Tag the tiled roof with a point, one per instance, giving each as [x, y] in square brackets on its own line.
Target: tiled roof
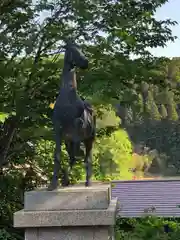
[139, 197]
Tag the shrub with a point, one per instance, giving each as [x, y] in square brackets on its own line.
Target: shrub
[148, 228]
[112, 156]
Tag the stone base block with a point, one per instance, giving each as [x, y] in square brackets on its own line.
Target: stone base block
[73, 213]
[105, 217]
[70, 198]
[67, 233]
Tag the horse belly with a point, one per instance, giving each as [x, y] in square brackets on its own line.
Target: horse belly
[72, 134]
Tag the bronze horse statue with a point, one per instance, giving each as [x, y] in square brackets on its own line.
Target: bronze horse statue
[73, 119]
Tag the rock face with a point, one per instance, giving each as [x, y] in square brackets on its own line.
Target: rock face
[75, 212]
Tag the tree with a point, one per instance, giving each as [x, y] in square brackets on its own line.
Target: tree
[171, 111]
[163, 111]
[22, 76]
[151, 108]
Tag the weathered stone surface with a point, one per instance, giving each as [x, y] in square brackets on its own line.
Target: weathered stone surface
[31, 234]
[70, 198]
[25, 219]
[76, 233]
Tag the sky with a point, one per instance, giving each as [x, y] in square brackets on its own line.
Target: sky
[170, 10]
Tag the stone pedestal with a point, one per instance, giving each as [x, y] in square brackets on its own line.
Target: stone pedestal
[75, 212]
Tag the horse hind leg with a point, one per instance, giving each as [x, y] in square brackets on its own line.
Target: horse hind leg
[88, 160]
[65, 177]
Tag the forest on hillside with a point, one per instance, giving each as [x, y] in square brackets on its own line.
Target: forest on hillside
[137, 102]
[152, 120]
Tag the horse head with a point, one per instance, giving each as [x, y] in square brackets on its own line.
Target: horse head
[74, 56]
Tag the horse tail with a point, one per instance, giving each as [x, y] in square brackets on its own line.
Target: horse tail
[94, 120]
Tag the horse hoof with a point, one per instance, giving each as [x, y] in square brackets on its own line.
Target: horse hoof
[87, 184]
[65, 183]
[52, 187]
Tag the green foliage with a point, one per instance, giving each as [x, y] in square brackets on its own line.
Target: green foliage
[3, 117]
[4, 235]
[113, 155]
[151, 108]
[171, 112]
[163, 111]
[141, 163]
[148, 228]
[106, 116]
[44, 160]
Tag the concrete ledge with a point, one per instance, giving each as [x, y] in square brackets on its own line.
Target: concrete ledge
[28, 219]
[69, 198]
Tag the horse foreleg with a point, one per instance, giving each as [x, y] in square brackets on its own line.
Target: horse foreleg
[88, 161]
[57, 158]
[71, 153]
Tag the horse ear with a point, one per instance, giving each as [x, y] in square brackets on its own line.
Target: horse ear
[69, 41]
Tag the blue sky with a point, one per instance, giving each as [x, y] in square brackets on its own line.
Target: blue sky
[170, 10]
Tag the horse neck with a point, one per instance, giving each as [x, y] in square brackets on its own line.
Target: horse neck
[69, 78]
